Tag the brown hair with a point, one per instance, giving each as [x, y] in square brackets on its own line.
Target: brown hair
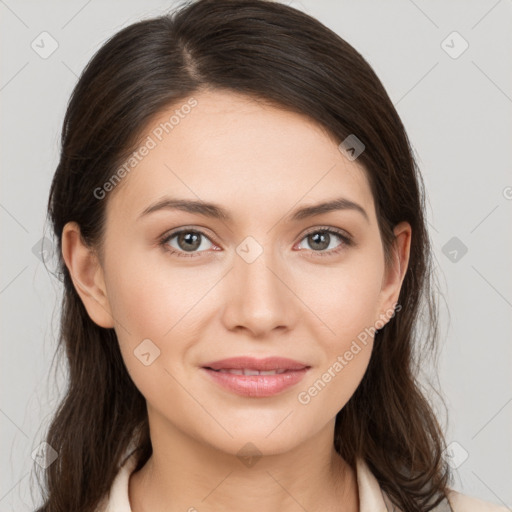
[281, 55]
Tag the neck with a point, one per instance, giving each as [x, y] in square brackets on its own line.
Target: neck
[184, 474]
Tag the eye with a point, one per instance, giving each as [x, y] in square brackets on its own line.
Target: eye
[321, 238]
[187, 240]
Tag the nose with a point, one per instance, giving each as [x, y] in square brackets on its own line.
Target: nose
[259, 297]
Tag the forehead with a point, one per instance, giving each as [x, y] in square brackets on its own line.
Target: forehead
[236, 150]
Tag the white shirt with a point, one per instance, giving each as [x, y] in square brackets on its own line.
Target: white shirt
[371, 497]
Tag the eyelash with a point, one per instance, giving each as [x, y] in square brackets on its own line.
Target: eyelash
[347, 241]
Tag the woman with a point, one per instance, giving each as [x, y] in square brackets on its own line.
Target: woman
[245, 259]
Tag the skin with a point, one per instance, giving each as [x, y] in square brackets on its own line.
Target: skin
[260, 163]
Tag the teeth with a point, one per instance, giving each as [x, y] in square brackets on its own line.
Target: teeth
[247, 371]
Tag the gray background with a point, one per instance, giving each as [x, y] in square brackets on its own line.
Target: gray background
[457, 112]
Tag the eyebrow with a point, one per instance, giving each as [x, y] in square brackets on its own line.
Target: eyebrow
[218, 212]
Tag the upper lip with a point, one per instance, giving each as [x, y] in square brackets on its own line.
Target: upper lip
[251, 363]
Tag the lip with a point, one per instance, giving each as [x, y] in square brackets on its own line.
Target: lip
[256, 386]
[265, 364]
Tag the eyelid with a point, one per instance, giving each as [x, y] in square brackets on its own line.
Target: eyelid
[202, 230]
[331, 229]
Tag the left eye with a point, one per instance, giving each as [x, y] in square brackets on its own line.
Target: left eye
[320, 240]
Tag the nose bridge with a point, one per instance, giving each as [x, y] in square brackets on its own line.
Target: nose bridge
[261, 299]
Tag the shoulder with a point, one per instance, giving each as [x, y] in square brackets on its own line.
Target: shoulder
[372, 498]
[463, 503]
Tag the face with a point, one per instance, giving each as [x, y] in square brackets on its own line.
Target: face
[185, 288]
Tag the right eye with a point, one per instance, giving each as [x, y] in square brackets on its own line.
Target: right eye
[187, 241]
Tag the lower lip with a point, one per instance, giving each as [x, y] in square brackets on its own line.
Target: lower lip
[257, 386]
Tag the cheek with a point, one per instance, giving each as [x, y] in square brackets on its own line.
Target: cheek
[148, 294]
[345, 301]
[346, 349]
[345, 298]
[329, 389]
[157, 312]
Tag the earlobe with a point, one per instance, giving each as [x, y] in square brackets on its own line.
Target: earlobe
[395, 274]
[87, 275]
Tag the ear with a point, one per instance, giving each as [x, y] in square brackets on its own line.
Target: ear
[394, 274]
[87, 275]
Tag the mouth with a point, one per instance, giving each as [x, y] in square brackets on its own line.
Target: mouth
[254, 364]
[249, 371]
[256, 378]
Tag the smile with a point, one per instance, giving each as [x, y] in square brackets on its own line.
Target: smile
[255, 383]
